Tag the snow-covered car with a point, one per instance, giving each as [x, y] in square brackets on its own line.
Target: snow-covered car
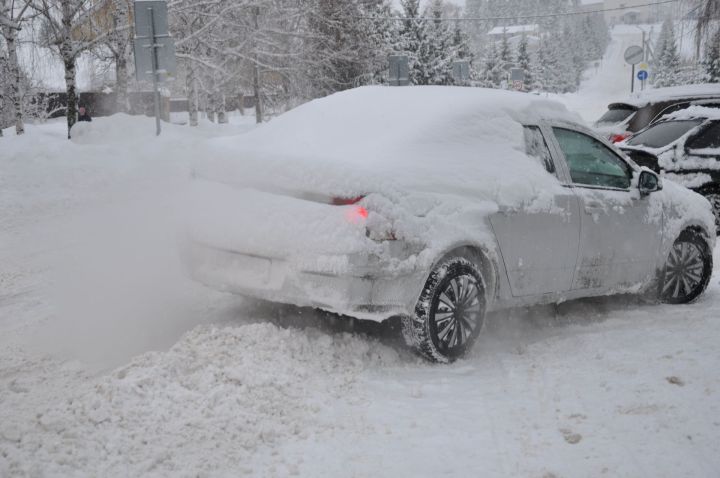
[437, 205]
[624, 118]
[685, 146]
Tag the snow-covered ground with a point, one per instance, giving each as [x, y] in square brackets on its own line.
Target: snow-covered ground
[113, 363]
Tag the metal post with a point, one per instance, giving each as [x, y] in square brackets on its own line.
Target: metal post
[154, 55]
[632, 80]
[642, 82]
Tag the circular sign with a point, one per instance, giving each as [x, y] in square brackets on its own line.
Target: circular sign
[642, 75]
[634, 55]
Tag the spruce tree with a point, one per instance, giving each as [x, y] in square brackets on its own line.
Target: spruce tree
[524, 62]
[667, 66]
[712, 59]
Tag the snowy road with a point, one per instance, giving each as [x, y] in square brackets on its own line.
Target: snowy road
[112, 363]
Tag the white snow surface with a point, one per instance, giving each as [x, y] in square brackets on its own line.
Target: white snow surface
[113, 364]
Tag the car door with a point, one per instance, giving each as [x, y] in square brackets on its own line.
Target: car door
[620, 235]
[705, 144]
[539, 248]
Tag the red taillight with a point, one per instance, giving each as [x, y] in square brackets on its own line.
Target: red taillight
[619, 137]
[354, 214]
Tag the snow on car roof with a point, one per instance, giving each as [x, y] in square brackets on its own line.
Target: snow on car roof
[656, 95]
[440, 139]
[694, 111]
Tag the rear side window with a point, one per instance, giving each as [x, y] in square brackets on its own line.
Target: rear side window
[662, 134]
[616, 115]
[708, 138]
[591, 162]
[536, 146]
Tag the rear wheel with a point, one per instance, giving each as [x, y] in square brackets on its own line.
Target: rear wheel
[450, 312]
[687, 270]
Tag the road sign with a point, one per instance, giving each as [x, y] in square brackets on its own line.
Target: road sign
[518, 85]
[154, 47]
[460, 71]
[399, 74]
[634, 55]
[517, 74]
[642, 75]
[151, 17]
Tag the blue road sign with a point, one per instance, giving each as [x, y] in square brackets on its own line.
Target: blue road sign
[642, 75]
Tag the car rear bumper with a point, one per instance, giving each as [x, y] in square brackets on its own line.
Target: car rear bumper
[356, 290]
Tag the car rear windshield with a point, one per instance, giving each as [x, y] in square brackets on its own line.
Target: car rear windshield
[616, 115]
[662, 134]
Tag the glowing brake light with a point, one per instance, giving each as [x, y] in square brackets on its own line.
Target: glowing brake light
[619, 137]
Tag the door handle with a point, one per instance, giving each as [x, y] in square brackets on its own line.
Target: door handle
[594, 207]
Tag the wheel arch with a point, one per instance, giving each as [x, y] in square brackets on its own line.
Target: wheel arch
[481, 256]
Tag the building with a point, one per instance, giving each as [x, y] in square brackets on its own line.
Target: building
[625, 11]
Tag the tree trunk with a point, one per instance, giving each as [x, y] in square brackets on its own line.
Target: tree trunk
[192, 94]
[68, 56]
[256, 92]
[71, 108]
[222, 113]
[15, 80]
[121, 84]
[256, 72]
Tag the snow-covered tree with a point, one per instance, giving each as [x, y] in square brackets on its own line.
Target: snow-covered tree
[69, 28]
[711, 62]
[667, 59]
[12, 15]
[525, 63]
[493, 73]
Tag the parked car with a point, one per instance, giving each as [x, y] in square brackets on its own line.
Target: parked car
[627, 117]
[437, 205]
[685, 145]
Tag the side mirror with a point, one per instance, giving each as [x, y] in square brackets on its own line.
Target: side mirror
[649, 182]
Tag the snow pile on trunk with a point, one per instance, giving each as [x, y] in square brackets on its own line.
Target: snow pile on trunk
[216, 399]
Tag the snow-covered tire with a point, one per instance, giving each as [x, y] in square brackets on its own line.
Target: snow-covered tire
[687, 269]
[714, 198]
[450, 313]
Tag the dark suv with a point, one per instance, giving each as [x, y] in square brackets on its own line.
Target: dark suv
[627, 117]
[685, 146]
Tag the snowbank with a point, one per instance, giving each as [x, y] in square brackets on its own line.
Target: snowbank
[218, 402]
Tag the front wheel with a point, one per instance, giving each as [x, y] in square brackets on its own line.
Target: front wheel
[450, 312]
[687, 270]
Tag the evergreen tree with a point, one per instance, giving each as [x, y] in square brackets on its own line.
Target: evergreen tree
[505, 55]
[493, 73]
[711, 63]
[524, 62]
[667, 65]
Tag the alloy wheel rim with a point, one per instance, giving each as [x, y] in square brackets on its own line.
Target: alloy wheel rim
[684, 270]
[458, 313]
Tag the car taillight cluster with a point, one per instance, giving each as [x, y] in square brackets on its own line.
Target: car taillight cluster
[617, 138]
[358, 213]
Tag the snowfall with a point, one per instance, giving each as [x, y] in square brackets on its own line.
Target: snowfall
[114, 363]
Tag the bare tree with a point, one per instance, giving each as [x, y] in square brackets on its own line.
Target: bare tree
[12, 15]
[70, 27]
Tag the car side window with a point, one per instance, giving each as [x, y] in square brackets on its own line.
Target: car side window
[536, 147]
[591, 162]
[708, 138]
